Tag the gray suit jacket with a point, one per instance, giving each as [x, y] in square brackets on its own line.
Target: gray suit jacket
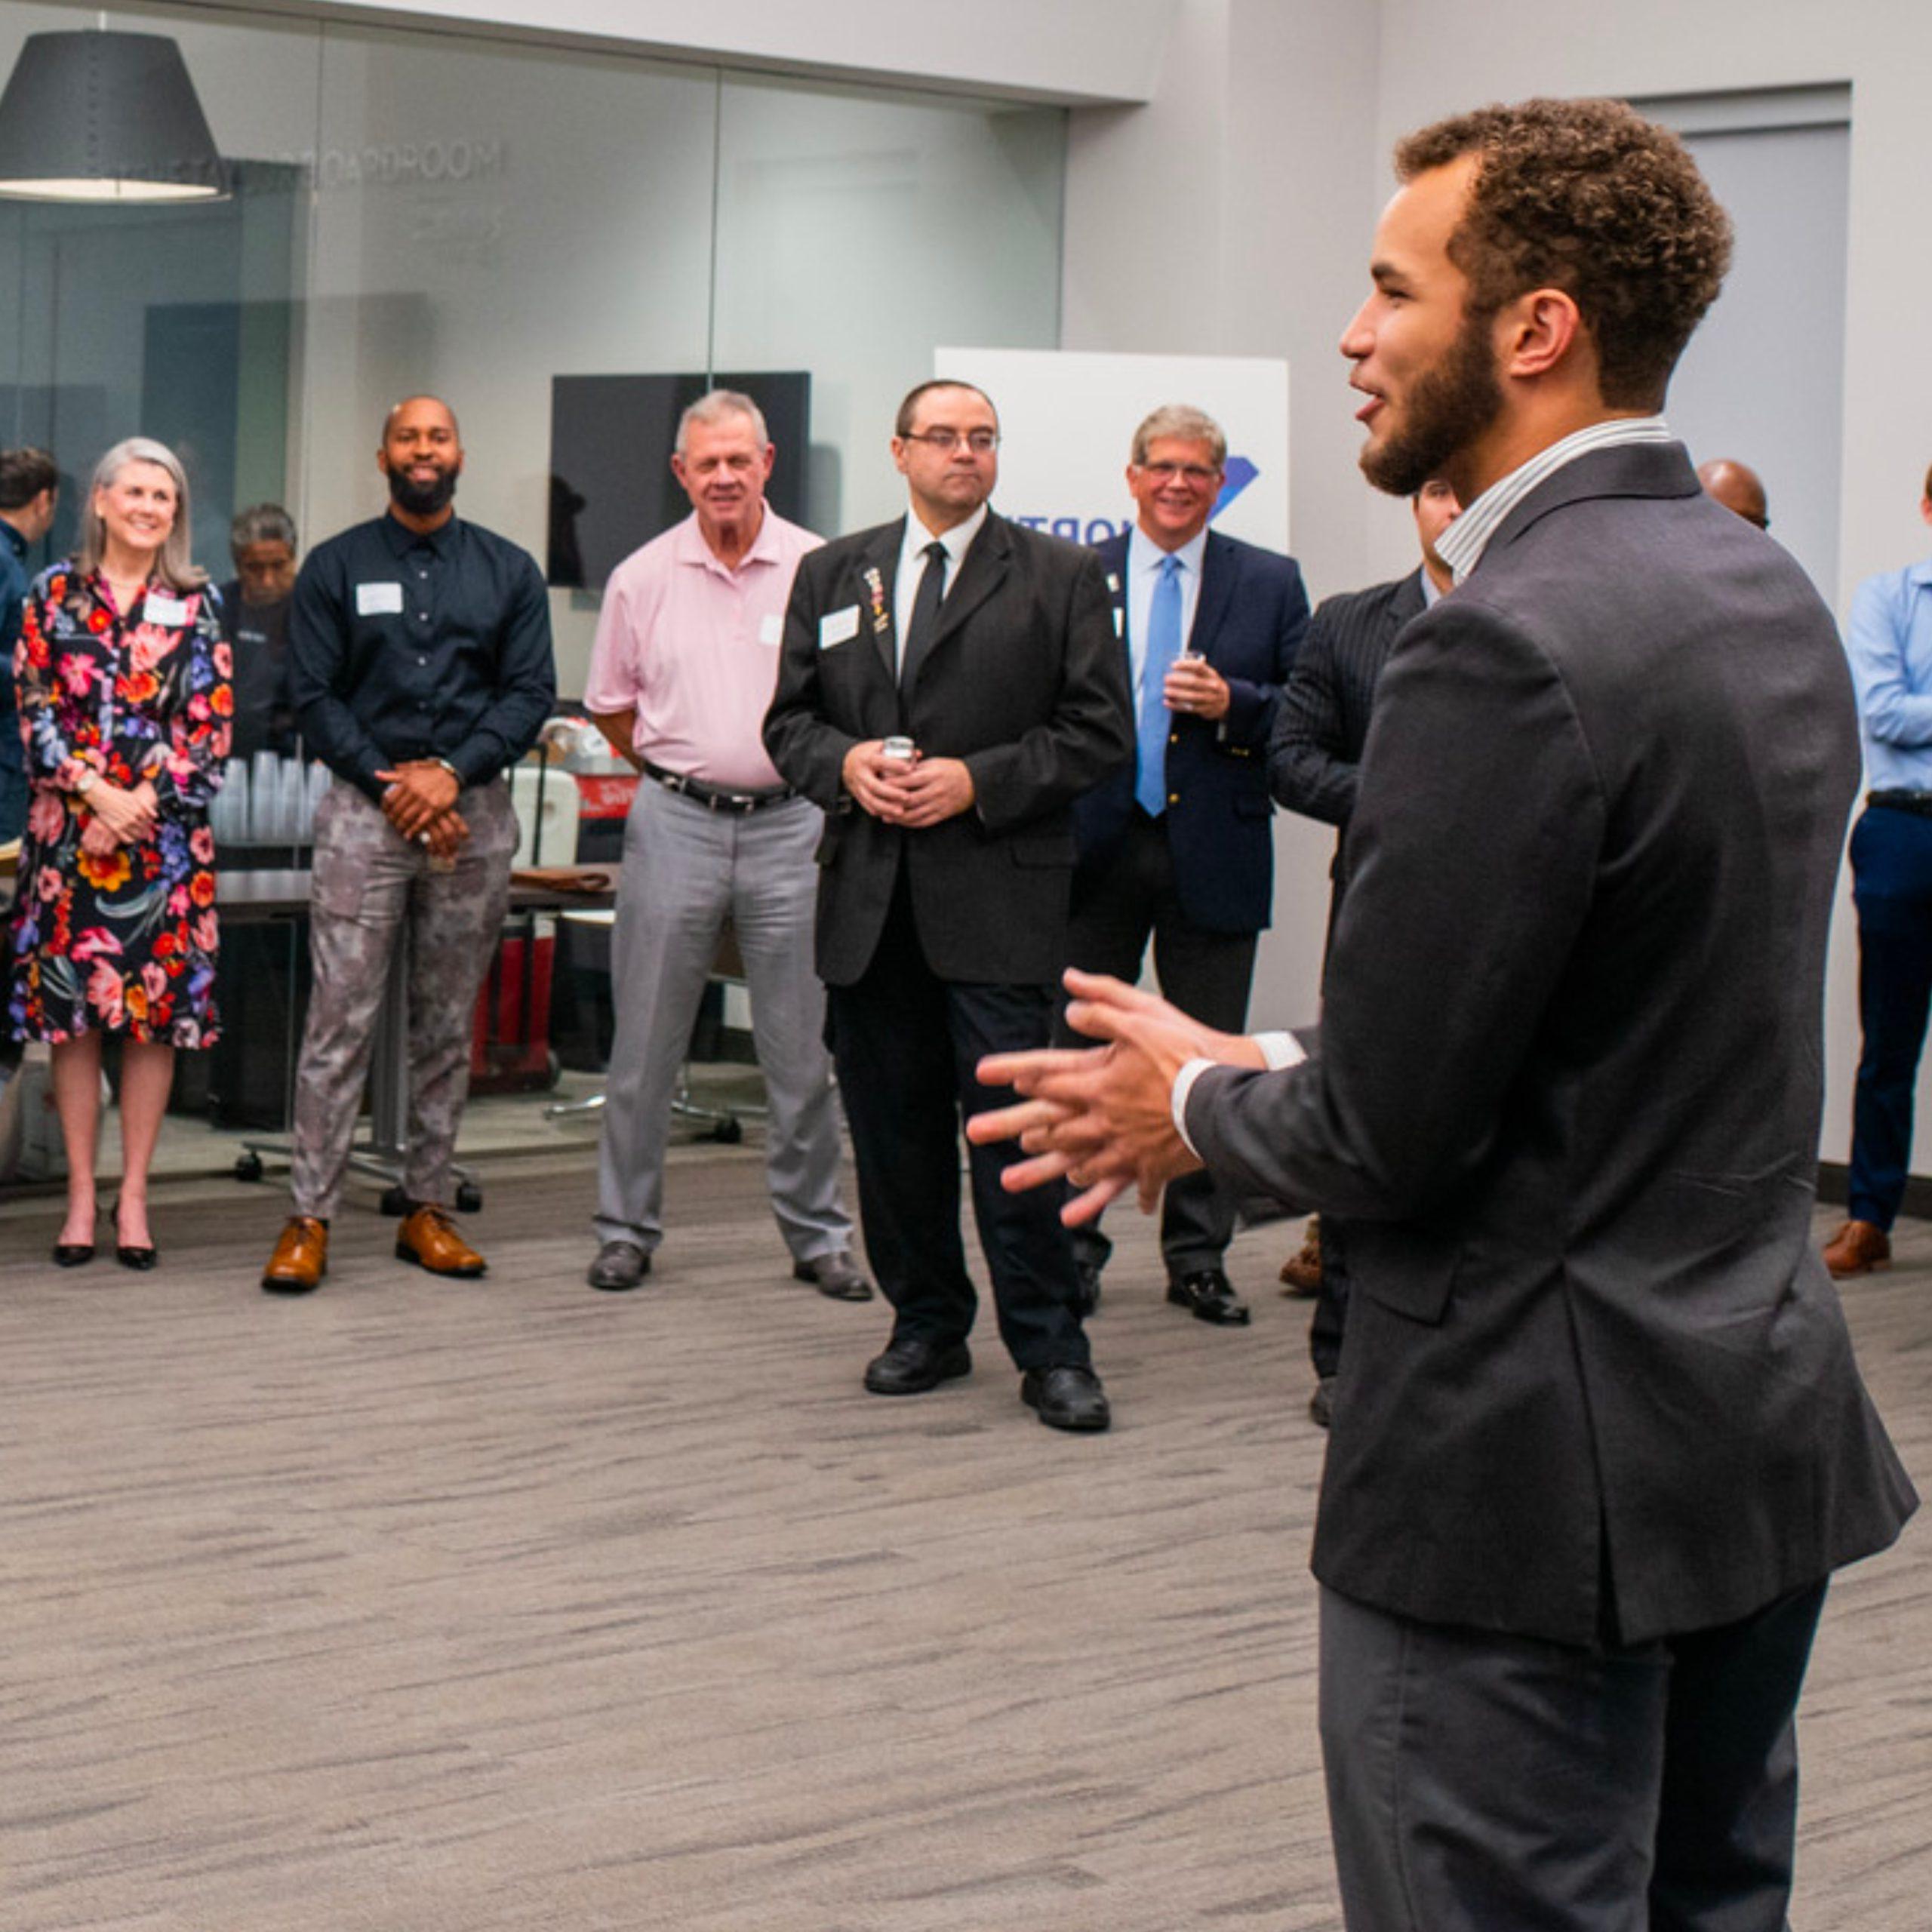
[1565, 1096]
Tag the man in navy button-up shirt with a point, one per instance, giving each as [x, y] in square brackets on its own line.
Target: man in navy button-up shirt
[419, 667]
[1889, 643]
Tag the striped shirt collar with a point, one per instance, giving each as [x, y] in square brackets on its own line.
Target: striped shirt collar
[1461, 546]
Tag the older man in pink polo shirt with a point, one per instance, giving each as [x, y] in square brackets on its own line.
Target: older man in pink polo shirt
[686, 656]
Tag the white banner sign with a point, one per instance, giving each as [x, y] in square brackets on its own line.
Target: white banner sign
[1067, 421]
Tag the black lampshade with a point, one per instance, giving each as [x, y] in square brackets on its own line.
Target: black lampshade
[103, 117]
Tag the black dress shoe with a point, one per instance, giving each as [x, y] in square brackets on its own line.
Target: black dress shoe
[72, 1253]
[834, 1276]
[910, 1367]
[1067, 1396]
[1087, 1289]
[1207, 1297]
[619, 1265]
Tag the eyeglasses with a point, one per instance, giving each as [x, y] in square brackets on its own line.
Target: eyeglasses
[1196, 473]
[981, 442]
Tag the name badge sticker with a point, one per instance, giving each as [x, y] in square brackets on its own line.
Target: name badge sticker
[836, 627]
[160, 609]
[771, 627]
[379, 600]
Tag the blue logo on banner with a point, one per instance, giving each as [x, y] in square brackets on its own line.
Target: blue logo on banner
[1240, 474]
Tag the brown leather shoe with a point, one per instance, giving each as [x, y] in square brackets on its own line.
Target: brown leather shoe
[428, 1238]
[1301, 1273]
[1858, 1247]
[301, 1258]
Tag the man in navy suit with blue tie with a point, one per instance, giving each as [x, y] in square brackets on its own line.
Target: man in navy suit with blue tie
[1177, 847]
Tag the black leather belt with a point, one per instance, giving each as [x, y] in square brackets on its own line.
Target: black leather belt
[711, 798]
[1919, 802]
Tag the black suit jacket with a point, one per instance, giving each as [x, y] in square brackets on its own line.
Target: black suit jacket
[1566, 1092]
[1248, 622]
[1022, 680]
[1321, 725]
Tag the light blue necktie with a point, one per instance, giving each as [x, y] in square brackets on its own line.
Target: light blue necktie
[1163, 648]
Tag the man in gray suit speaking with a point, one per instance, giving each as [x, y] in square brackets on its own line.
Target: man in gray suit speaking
[1599, 1439]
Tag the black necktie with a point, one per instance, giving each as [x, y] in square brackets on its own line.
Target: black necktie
[924, 619]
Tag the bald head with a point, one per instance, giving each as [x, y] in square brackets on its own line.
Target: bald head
[418, 405]
[422, 456]
[1735, 486]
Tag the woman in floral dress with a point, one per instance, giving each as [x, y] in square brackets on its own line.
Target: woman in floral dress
[123, 684]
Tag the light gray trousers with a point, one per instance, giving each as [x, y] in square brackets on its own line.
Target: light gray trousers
[686, 869]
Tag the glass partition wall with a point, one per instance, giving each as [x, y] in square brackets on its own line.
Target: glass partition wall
[480, 219]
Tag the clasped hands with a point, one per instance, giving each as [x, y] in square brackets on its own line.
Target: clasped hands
[420, 801]
[1103, 1120]
[117, 816]
[914, 792]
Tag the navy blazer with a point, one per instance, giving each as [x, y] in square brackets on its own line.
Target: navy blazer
[1248, 622]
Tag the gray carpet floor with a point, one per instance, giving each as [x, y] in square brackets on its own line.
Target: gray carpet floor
[420, 1604]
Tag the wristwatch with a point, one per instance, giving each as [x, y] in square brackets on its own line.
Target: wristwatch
[452, 771]
[84, 783]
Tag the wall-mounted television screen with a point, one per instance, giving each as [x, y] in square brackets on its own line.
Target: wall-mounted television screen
[610, 483]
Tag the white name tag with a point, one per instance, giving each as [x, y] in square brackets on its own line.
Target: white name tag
[771, 629]
[836, 627]
[379, 600]
[160, 609]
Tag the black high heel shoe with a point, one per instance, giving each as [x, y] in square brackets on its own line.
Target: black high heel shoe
[74, 1253]
[128, 1255]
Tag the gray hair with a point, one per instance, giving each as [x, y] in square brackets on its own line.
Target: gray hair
[261, 523]
[173, 566]
[716, 403]
[1183, 420]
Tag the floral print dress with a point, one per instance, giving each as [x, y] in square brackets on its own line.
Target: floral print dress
[125, 942]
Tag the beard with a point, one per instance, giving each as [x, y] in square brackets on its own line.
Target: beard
[423, 499]
[1450, 406]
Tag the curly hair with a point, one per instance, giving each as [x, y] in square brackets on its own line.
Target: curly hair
[1589, 197]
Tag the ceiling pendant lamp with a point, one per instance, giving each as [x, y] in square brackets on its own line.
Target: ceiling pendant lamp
[105, 117]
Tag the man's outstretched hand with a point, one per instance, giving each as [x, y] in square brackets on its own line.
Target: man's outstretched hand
[1103, 1120]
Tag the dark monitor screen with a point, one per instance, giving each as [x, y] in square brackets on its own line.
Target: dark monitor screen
[611, 440]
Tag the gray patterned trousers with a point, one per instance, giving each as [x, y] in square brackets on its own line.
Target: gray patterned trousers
[367, 881]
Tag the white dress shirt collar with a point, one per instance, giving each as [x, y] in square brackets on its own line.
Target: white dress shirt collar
[1461, 546]
[912, 563]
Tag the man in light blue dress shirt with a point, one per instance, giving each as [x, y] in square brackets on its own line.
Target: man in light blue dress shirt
[1889, 643]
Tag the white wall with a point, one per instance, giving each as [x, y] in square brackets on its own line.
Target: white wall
[1057, 50]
